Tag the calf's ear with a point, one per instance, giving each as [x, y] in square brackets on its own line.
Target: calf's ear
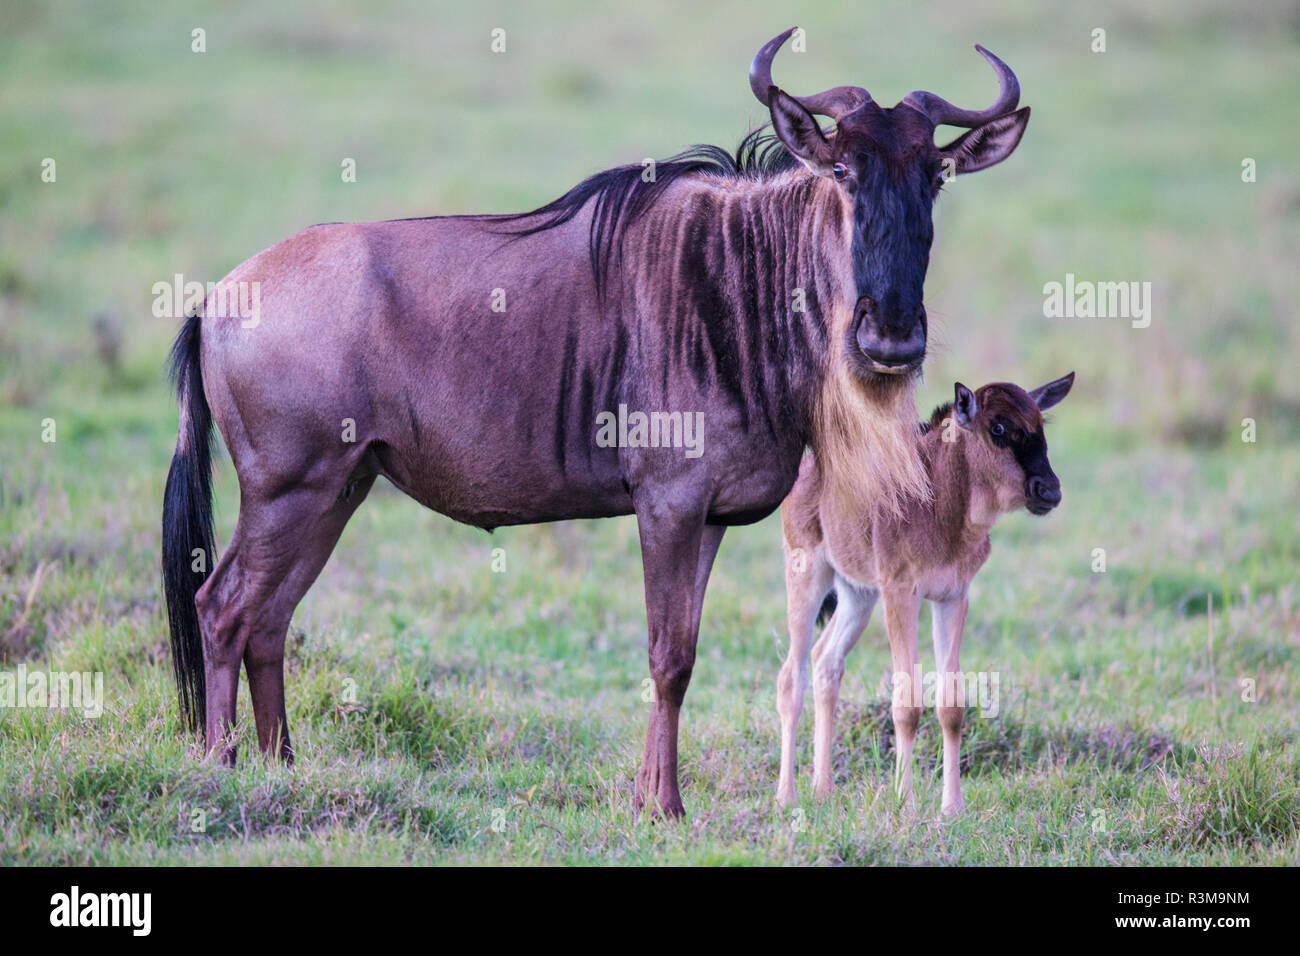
[964, 407]
[1045, 396]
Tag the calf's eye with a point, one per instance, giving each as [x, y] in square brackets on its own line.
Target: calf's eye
[998, 429]
[840, 171]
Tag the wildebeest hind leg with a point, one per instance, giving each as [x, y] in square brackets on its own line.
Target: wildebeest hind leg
[264, 656]
[279, 546]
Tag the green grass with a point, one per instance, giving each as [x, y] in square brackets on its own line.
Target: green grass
[444, 713]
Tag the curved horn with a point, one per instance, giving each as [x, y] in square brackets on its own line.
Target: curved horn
[760, 68]
[836, 102]
[942, 113]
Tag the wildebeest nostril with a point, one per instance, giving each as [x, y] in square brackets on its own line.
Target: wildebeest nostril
[863, 311]
[1045, 491]
[889, 348]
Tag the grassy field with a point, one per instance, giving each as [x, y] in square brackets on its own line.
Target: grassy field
[444, 713]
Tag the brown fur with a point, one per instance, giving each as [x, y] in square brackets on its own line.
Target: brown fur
[871, 460]
[931, 550]
[378, 352]
[863, 427]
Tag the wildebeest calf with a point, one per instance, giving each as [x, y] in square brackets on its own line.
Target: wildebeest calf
[985, 455]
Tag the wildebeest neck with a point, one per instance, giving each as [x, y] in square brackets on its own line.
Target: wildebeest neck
[749, 280]
[753, 291]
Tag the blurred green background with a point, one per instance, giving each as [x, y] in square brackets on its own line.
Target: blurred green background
[521, 691]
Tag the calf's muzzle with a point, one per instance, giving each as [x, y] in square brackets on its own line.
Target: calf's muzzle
[1044, 493]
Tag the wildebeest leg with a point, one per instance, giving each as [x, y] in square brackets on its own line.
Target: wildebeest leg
[843, 631]
[264, 655]
[710, 541]
[807, 581]
[647, 778]
[278, 548]
[677, 551]
[950, 702]
[901, 608]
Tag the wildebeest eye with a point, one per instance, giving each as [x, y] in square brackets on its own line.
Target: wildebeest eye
[840, 171]
[998, 429]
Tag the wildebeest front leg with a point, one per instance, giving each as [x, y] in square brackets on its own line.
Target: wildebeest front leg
[677, 550]
[901, 608]
[950, 702]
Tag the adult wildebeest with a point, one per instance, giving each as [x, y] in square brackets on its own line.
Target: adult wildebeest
[777, 292]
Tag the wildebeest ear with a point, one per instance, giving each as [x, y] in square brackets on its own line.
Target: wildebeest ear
[799, 131]
[964, 408]
[1045, 396]
[987, 145]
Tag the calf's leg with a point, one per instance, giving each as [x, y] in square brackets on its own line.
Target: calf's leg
[901, 608]
[808, 579]
[843, 631]
[950, 699]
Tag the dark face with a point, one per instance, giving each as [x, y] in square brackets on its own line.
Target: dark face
[1010, 421]
[891, 171]
[887, 163]
[1042, 488]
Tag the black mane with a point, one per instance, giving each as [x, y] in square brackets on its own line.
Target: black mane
[622, 195]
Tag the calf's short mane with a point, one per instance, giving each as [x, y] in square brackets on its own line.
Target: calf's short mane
[936, 417]
[999, 398]
[1012, 403]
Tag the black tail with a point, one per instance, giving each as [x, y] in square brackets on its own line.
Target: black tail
[828, 607]
[187, 524]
